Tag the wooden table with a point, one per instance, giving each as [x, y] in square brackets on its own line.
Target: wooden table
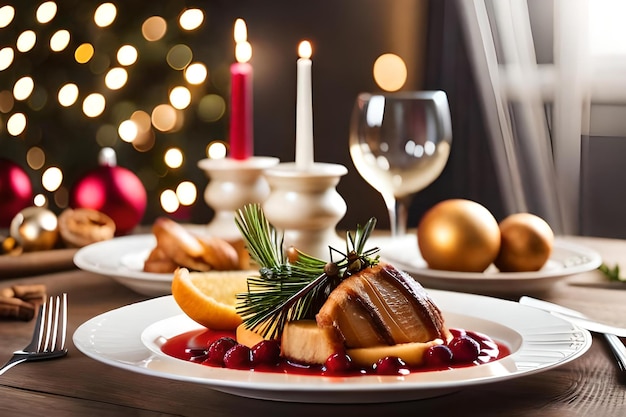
[78, 385]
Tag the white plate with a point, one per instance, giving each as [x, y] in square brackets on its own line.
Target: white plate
[122, 259]
[566, 259]
[129, 338]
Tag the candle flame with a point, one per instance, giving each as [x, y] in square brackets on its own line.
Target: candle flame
[243, 52]
[305, 50]
[240, 32]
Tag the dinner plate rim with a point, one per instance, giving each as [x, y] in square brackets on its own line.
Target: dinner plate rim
[100, 339]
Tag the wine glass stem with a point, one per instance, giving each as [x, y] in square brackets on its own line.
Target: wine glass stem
[398, 209]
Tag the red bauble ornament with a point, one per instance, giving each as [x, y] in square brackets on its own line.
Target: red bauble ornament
[16, 191]
[112, 190]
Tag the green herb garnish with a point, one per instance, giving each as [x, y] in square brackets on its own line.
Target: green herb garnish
[292, 287]
[611, 273]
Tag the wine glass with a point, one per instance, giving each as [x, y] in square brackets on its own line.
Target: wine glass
[399, 143]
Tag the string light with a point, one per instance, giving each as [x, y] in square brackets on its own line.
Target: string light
[173, 158]
[7, 13]
[129, 118]
[187, 193]
[52, 178]
[26, 41]
[6, 57]
[23, 88]
[105, 15]
[94, 105]
[196, 73]
[180, 97]
[191, 19]
[154, 28]
[68, 94]
[46, 12]
[59, 40]
[84, 53]
[127, 55]
[16, 124]
[116, 78]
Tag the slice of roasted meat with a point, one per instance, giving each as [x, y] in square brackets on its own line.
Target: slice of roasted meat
[379, 306]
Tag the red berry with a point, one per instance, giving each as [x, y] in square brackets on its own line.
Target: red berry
[464, 349]
[338, 363]
[390, 365]
[217, 349]
[266, 351]
[438, 356]
[238, 357]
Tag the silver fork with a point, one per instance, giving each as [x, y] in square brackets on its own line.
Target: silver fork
[49, 335]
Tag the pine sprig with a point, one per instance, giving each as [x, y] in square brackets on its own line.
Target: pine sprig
[293, 290]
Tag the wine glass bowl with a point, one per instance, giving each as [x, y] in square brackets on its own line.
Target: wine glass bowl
[400, 143]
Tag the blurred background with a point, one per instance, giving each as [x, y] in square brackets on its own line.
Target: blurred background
[75, 73]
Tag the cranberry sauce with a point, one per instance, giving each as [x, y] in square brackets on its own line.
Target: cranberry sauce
[219, 349]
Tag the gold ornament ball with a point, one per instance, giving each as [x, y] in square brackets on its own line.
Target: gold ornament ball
[458, 235]
[35, 229]
[526, 245]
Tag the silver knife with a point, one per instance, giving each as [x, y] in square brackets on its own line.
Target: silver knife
[610, 333]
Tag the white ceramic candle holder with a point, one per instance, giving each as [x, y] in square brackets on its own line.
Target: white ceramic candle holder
[306, 207]
[233, 184]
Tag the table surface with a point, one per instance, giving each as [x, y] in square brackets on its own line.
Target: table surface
[78, 385]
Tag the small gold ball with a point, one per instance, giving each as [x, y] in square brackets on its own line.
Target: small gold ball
[35, 229]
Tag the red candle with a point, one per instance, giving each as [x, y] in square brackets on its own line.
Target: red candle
[241, 143]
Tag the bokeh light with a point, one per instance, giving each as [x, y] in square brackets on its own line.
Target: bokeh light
[35, 157]
[211, 108]
[154, 28]
[52, 178]
[196, 73]
[105, 14]
[68, 94]
[179, 56]
[142, 120]
[6, 57]
[127, 130]
[26, 41]
[173, 158]
[191, 19]
[390, 72]
[164, 117]
[127, 55]
[7, 13]
[6, 101]
[16, 124]
[40, 200]
[216, 150]
[187, 193]
[116, 78]
[46, 12]
[23, 88]
[94, 104]
[59, 40]
[84, 53]
[169, 201]
[180, 97]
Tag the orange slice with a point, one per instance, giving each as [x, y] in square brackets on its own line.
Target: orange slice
[209, 298]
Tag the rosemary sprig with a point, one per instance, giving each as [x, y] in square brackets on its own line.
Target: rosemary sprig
[293, 290]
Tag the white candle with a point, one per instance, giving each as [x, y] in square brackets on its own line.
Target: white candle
[304, 109]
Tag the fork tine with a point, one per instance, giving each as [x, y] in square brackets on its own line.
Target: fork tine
[63, 319]
[48, 319]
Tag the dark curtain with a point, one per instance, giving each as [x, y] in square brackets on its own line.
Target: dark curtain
[470, 172]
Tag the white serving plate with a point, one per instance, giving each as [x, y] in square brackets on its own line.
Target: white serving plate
[538, 341]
